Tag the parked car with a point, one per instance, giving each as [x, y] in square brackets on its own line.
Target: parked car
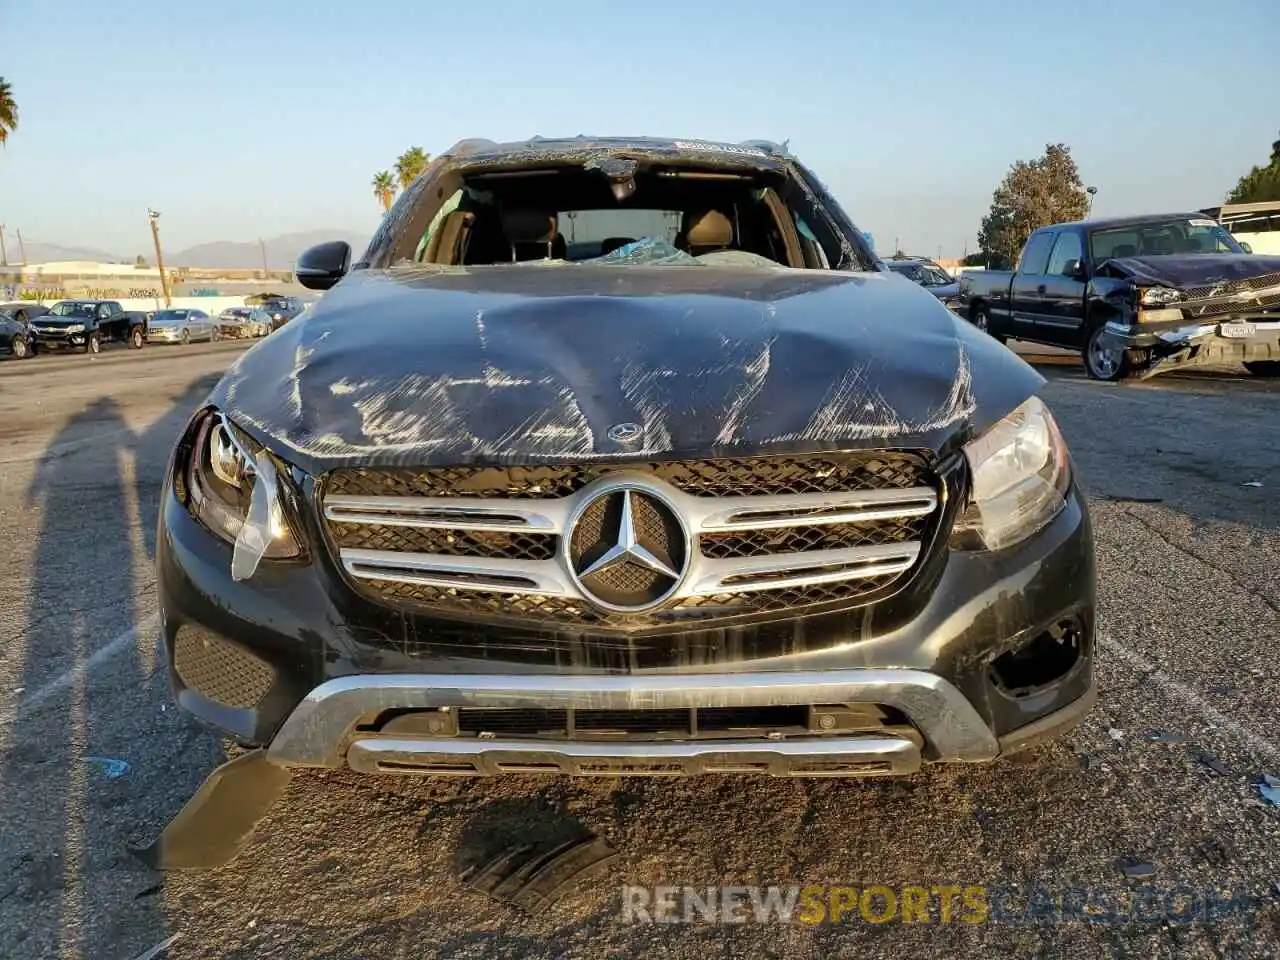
[930, 276]
[1137, 296]
[181, 325]
[721, 502]
[16, 338]
[244, 323]
[280, 309]
[85, 325]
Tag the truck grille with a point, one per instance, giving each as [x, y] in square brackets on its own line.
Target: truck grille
[716, 539]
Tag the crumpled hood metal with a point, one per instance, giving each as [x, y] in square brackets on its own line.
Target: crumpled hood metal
[1195, 270]
[532, 363]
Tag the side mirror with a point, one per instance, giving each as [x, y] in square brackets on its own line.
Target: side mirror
[1074, 269]
[1245, 247]
[323, 265]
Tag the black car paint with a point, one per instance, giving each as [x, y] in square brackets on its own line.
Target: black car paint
[110, 323]
[1064, 310]
[528, 363]
[533, 364]
[15, 326]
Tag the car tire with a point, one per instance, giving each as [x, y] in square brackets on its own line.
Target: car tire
[214, 335]
[18, 348]
[1263, 368]
[185, 339]
[1109, 366]
[980, 317]
[93, 345]
[135, 338]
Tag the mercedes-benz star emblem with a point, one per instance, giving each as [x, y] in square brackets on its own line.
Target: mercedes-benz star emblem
[623, 432]
[627, 548]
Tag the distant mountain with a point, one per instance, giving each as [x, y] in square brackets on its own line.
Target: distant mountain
[282, 251]
[44, 252]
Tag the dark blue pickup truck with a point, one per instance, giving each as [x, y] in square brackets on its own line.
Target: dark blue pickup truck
[1136, 296]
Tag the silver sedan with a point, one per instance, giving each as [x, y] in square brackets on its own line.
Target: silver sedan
[181, 326]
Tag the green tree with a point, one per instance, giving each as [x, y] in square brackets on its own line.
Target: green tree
[8, 111]
[384, 188]
[1260, 183]
[1032, 195]
[409, 164]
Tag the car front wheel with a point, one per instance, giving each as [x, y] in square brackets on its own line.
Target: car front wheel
[1103, 358]
[186, 337]
[19, 347]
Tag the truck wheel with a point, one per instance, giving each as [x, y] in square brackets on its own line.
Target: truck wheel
[19, 347]
[980, 317]
[94, 345]
[135, 338]
[1263, 368]
[1104, 360]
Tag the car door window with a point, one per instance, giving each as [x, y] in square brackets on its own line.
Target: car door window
[1036, 255]
[1066, 250]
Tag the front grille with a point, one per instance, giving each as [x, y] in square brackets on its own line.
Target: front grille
[1200, 301]
[1230, 287]
[220, 671]
[763, 535]
[755, 476]
[752, 721]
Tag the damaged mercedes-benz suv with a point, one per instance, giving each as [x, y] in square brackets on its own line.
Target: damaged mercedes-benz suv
[618, 457]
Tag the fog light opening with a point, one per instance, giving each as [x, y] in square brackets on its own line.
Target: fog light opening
[1038, 663]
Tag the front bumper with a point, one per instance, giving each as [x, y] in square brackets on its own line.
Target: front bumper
[54, 341]
[295, 660]
[1180, 344]
[164, 336]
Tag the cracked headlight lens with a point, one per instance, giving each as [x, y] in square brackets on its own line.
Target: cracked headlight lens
[1020, 472]
[235, 492]
[1159, 296]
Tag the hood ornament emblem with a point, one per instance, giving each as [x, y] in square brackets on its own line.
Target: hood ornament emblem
[623, 432]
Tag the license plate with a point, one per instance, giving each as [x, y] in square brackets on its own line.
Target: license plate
[1237, 331]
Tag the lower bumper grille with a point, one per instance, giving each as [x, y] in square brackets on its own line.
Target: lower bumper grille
[759, 535]
[220, 671]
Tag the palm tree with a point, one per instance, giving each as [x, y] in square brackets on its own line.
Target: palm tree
[384, 188]
[8, 111]
[409, 164]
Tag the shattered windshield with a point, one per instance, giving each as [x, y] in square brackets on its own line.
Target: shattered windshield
[1162, 238]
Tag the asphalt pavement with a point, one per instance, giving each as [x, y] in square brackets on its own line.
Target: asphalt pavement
[1183, 474]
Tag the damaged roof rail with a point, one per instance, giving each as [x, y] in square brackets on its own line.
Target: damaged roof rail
[472, 145]
[769, 147]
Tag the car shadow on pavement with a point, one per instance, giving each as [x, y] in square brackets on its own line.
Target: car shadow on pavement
[93, 759]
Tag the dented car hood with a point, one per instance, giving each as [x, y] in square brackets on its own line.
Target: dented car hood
[1193, 270]
[536, 363]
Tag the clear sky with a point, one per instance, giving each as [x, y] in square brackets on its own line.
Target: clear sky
[238, 119]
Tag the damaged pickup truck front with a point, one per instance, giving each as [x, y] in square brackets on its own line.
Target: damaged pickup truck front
[1137, 296]
[618, 457]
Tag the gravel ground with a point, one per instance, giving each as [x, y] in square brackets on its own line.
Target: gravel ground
[346, 867]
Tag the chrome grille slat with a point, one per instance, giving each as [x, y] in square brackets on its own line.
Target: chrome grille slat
[507, 535]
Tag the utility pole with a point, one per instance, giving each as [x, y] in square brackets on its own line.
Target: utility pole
[153, 216]
[263, 247]
[22, 248]
[4, 254]
[1092, 191]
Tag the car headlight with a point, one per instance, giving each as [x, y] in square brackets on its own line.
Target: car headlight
[1020, 472]
[76, 328]
[1159, 296]
[234, 490]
